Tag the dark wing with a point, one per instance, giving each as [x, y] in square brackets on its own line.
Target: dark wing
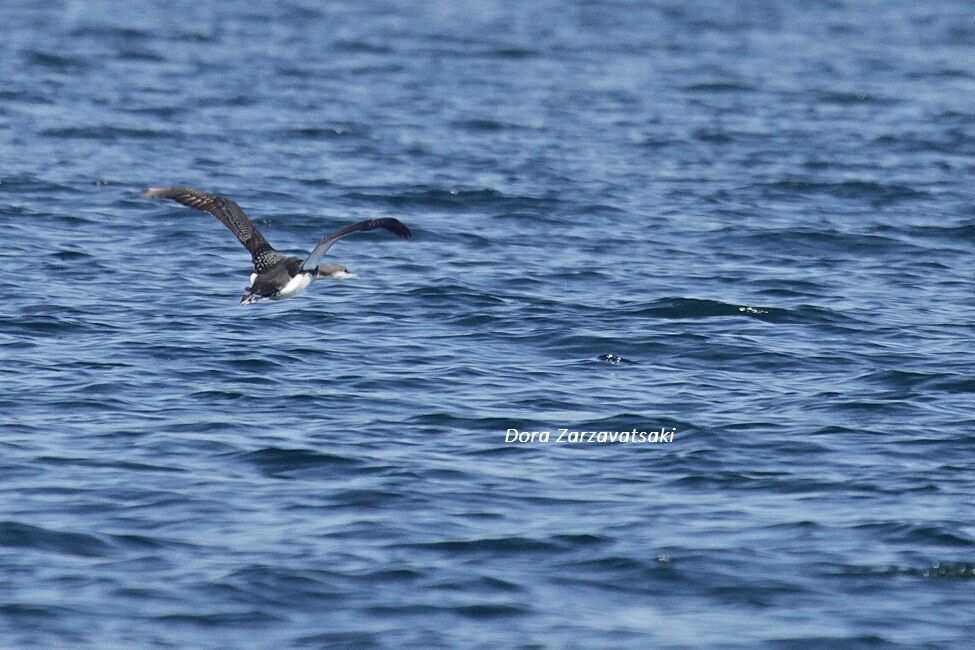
[390, 224]
[229, 213]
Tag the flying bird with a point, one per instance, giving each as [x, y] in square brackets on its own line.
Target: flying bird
[275, 276]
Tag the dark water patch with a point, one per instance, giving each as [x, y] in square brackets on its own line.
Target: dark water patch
[511, 53]
[501, 451]
[27, 96]
[219, 620]
[911, 534]
[481, 584]
[363, 47]
[901, 379]
[28, 611]
[954, 386]
[726, 137]
[99, 32]
[877, 194]
[828, 241]
[694, 308]
[472, 322]
[473, 49]
[109, 464]
[452, 294]
[834, 430]
[278, 462]
[942, 73]
[239, 100]
[659, 141]
[255, 364]
[165, 352]
[953, 141]
[711, 87]
[616, 574]
[870, 406]
[191, 36]
[40, 328]
[146, 542]
[444, 419]
[51, 309]
[324, 133]
[403, 575]
[481, 125]
[377, 499]
[25, 536]
[66, 255]
[407, 609]
[583, 541]
[963, 232]
[716, 480]
[32, 185]
[105, 133]
[106, 390]
[489, 611]
[302, 72]
[349, 640]
[712, 136]
[600, 209]
[160, 112]
[530, 219]
[137, 594]
[14, 470]
[136, 54]
[270, 584]
[617, 564]
[55, 61]
[377, 69]
[316, 182]
[839, 98]
[491, 546]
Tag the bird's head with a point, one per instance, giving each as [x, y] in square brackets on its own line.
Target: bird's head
[333, 272]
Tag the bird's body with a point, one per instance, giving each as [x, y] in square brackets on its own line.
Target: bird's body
[283, 280]
[275, 275]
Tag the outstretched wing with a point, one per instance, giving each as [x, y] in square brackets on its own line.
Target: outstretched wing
[229, 214]
[390, 224]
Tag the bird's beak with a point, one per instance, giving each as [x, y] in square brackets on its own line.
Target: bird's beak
[344, 275]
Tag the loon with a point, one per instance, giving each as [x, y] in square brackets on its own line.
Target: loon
[275, 275]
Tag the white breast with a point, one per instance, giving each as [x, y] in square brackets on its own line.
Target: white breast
[295, 286]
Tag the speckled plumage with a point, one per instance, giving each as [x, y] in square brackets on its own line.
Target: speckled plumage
[229, 214]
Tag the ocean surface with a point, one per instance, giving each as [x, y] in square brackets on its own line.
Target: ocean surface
[750, 224]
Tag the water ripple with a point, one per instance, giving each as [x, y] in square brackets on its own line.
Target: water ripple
[627, 216]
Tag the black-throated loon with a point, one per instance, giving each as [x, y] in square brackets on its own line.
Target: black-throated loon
[275, 276]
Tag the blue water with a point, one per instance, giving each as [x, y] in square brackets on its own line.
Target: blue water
[749, 222]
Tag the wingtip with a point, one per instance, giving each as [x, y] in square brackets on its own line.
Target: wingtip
[400, 229]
